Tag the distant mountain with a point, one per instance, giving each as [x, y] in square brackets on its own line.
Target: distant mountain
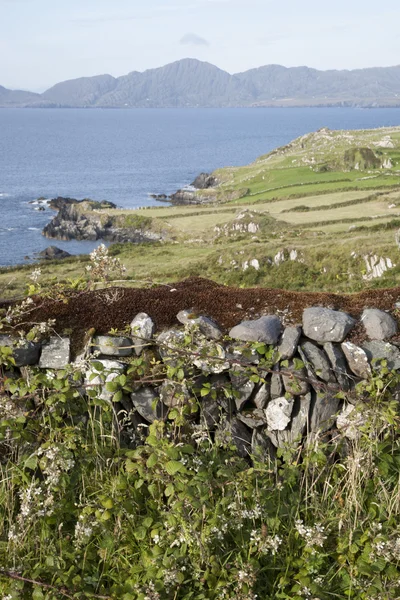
[192, 83]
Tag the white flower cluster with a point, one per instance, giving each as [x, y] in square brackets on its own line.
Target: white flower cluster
[17, 312]
[83, 530]
[314, 536]
[35, 275]
[103, 264]
[54, 462]
[388, 549]
[267, 544]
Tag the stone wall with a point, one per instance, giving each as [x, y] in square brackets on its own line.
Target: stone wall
[261, 385]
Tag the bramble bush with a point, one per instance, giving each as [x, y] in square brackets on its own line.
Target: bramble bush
[172, 513]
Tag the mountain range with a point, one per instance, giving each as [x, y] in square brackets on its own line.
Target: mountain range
[192, 83]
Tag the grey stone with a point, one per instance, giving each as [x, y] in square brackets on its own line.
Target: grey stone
[109, 345]
[289, 342]
[339, 366]
[142, 329]
[236, 432]
[169, 342]
[242, 354]
[206, 325]
[173, 393]
[378, 350]
[278, 413]
[326, 325]
[55, 353]
[25, 353]
[148, 404]
[265, 329]
[324, 407]
[300, 420]
[277, 388]
[214, 360]
[262, 448]
[210, 412]
[263, 395]
[378, 324]
[242, 387]
[318, 361]
[357, 360]
[350, 421]
[295, 380]
[253, 418]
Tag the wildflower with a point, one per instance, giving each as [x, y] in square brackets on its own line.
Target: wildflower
[314, 536]
[35, 275]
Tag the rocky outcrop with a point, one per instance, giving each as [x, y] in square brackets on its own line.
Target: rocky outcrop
[204, 181]
[90, 220]
[53, 253]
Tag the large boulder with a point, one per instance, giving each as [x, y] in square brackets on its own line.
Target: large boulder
[265, 329]
[378, 324]
[326, 325]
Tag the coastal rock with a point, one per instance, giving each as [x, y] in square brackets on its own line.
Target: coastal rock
[53, 253]
[55, 353]
[378, 324]
[326, 325]
[142, 329]
[204, 181]
[265, 329]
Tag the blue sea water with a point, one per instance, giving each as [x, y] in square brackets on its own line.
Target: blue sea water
[125, 155]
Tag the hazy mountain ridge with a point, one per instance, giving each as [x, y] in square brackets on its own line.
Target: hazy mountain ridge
[192, 83]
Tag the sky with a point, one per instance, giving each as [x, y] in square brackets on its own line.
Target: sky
[43, 42]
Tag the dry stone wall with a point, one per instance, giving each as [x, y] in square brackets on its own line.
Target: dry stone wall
[261, 385]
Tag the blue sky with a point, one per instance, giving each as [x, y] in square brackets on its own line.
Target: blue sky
[46, 41]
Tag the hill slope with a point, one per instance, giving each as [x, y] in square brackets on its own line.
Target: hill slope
[192, 83]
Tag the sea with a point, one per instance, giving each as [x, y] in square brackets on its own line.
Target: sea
[126, 155]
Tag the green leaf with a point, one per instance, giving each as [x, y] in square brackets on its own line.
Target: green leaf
[118, 396]
[173, 466]
[112, 386]
[140, 533]
[152, 460]
[169, 490]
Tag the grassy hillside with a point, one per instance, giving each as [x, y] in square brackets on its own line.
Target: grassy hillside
[331, 198]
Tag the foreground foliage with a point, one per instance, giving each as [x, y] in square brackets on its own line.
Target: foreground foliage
[89, 509]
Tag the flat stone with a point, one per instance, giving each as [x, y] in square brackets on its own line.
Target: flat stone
[55, 353]
[142, 329]
[242, 387]
[277, 388]
[300, 418]
[214, 360]
[319, 361]
[295, 381]
[148, 404]
[25, 353]
[261, 446]
[357, 360]
[108, 345]
[265, 329]
[324, 407]
[326, 325]
[339, 366]
[206, 325]
[288, 345]
[262, 395]
[378, 324]
[278, 413]
[378, 350]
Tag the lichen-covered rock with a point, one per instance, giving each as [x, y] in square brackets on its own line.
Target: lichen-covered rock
[357, 360]
[148, 404]
[326, 325]
[102, 372]
[142, 329]
[265, 329]
[288, 345]
[350, 421]
[339, 366]
[253, 418]
[377, 351]
[25, 353]
[108, 345]
[278, 413]
[378, 324]
[55, 353]
[319, 361]
[207, 326]
[169, 345]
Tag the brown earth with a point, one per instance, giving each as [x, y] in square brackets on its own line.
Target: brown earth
[114, 308]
